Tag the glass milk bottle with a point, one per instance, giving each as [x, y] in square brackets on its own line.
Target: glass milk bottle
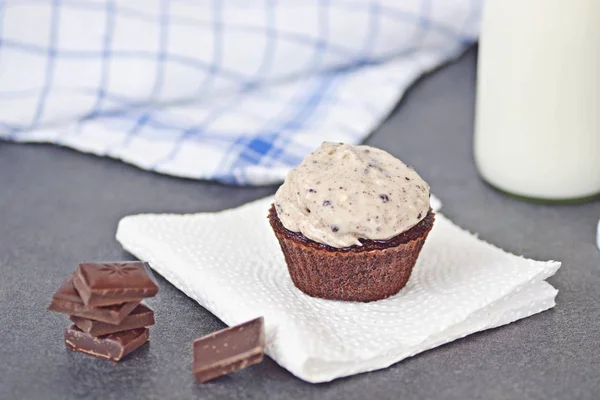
[537, 131]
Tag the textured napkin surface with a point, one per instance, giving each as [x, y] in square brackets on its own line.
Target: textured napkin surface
[230, 263]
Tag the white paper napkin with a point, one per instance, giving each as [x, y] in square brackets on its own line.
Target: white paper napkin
[230, 263]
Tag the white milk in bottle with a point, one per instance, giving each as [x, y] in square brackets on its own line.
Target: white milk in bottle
[538, 98]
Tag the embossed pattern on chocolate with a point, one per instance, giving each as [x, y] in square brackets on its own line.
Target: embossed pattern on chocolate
[102, 284]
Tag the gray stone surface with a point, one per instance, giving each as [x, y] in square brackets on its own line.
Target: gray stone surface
[59, 207]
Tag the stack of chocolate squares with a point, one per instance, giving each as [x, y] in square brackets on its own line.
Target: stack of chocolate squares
[104, 302]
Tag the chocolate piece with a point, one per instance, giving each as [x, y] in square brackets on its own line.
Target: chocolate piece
[66, 300]
[228, 350]
[141, 317]
[111, 347]
[105, 284]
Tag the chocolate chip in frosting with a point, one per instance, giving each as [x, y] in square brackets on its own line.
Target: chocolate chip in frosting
[359, 178]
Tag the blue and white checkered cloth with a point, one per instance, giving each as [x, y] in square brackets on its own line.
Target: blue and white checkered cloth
[233, 90]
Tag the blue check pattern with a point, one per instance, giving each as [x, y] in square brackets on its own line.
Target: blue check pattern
[235, 91]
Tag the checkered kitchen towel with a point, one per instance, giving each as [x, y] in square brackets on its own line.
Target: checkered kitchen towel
[233, 90]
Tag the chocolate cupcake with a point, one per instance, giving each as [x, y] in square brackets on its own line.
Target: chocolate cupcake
[351, 222]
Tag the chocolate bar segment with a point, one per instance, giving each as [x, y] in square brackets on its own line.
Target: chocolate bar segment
[140, 317]
[66, 300]
[111, 347]
[105, 284]
[229, 350]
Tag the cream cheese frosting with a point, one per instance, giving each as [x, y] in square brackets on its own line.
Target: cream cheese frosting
[342, 193]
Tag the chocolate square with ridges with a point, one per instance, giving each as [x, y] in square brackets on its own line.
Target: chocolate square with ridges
[111, 347]
[140, 317]
[229, 350]
[66, 300]
[108, 283]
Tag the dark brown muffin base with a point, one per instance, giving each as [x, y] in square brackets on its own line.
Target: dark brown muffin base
[373, 271]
